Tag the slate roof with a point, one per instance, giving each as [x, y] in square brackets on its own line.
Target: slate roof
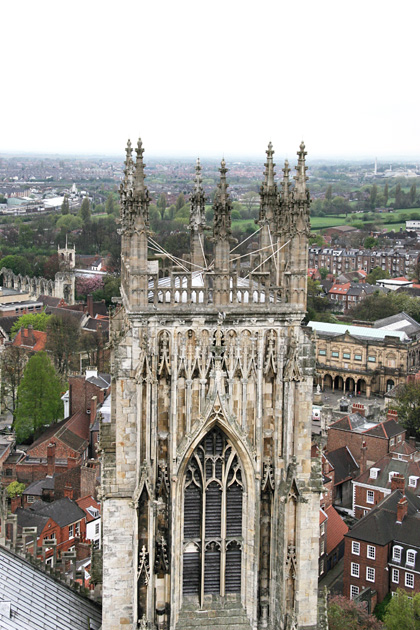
[39, 601]
[26, 518]
[360, 424]
[7, 322]
[345, 467]
[387, 465]
[336, 528]
[380, 525]
[61, 432]
[102, 380]
[358, 332]
[48, 300]
[63, 512]
[37, 487]
[79, 316]
[387, 429]
[400, 321]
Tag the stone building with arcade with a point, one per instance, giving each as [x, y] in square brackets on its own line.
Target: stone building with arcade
[362, 360]
[210, 497]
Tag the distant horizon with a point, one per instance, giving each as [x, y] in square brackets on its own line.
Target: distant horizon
[86, 155]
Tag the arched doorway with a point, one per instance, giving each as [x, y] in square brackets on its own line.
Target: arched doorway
[327, 381]
[389, 384]
[361, 386]
[338, 383]
[350, 385]
[213, 496]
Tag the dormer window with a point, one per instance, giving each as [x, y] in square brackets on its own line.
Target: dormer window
[411, 557]
[396, 553]
[374, 473]
[412, 481]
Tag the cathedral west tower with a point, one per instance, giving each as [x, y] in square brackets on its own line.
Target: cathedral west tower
[210, 499]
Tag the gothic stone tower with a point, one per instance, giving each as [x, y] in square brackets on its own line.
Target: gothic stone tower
[210, 501]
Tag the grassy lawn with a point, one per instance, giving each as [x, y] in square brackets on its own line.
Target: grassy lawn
[243, 224]
[320, 223]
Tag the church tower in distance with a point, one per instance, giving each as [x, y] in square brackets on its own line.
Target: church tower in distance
[210, 497]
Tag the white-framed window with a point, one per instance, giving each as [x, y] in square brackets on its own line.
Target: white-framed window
[321, 566]
[370, 496]
[370, 574]
[49, 561]
[395, 576]
[412, 481]
[96, 529]
[396, 553]
[71, 531]
[322, 547]
[409, 580]
[411, 557]
[392, 441]
[371, 552]
[77, 529]
[30, 498]
[399, 439]
[374, 473]
[354, 591]
[355, 569]
[355, 548]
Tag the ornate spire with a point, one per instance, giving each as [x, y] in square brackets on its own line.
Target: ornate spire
[139, 175]
[133, 192]
[285, 185]
[197, 200]
[128, 170]
[268, 191]
[222, 207]
[300, 178]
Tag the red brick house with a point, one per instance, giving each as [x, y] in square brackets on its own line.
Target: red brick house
[382, 551]
[62, 521]
[30, 340]
[375, 483]
[354, 431]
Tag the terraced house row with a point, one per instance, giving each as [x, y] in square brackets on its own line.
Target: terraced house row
[396, 261]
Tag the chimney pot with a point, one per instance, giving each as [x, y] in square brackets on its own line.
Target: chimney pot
[401, 509]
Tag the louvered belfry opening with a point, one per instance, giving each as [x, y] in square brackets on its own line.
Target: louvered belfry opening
[213, 492]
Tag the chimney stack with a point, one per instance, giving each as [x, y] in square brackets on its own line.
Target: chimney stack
[401, 509]
[363, 458]
[50, 459]
[398, 483]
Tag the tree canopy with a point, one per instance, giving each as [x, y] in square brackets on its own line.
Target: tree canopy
[39, 397]
[39, 321]
[62, 341]
[407, 404]
[403, 612]
[18, 264]
[346, 614]
[378, 305]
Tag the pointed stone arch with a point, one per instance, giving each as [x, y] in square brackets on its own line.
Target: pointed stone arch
[218, 419]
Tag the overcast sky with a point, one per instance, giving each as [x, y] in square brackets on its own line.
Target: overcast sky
[211, 78]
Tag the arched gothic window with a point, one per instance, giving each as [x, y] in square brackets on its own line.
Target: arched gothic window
[213, 490]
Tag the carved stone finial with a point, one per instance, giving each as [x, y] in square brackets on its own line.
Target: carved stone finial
[222, 208]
